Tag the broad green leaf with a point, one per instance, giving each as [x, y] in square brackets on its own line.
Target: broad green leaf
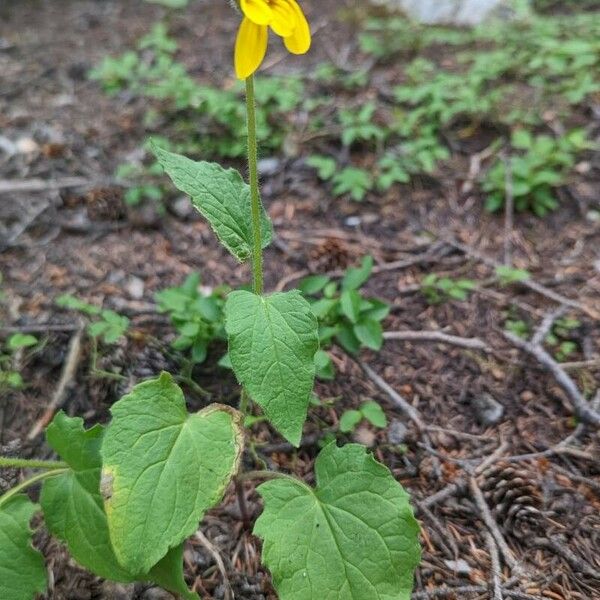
[21, 340]
[168, 573]
[350, 302]
[272, 344]
[221, 195]
[72, 503]
[370, 333]
[314, 284]
[22, 569]
[163, 468]
[373, 413]
[348, 340]
[353, 537]
[73, 510]
[324, 366]
[349, 420]
[356, 277]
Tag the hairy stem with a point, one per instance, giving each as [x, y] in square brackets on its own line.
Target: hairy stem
[249, 475]
[28, 482]
[24, 463]
[257, 258]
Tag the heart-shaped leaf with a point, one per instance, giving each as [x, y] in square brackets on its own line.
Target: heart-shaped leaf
[163, 468]
[272, 344]
[221, 196]
[22, 569]
[72, 503]
[74, 513]
[353, 537]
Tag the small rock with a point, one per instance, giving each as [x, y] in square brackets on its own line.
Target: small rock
[352, 221]
[182, 208]
[593, 216]
[489, 410]
[157, 594]
[145, 216]
[26, 146]
[268, 166]
[135, 288]
[527, 396]
[397, 432]
[365, 436]
[597, 262]
[7, 146]
[460, 566]
[117, 591]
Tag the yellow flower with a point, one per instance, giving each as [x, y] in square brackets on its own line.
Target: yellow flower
[284, 17]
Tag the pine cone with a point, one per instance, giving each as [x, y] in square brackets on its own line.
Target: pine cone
[513, 496]
[105, 204]
[330, 255]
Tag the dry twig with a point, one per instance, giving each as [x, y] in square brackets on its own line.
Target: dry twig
[212, 550]
[528, 283]
[438, 336]
[410, 411]
[490, 523]
[67, 375]
[42, 185]
[576, 563]
[580, 405]
[495, 559]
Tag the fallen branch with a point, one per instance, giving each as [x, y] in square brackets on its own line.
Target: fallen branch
[458, 486]
[580, 405]
[576, 563]
[546, 325]
[410, 411]
[495, 560]
[528, 283]
[67, 375]
[435, 253]
[492, 526]
[40, 185]
[212, 550]
[457, 592]
[38, 328]
[438, 336]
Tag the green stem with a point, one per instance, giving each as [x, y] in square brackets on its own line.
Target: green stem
[257, 258]
[24, 463]
[272, 475]
[244, 402]
[28, 482]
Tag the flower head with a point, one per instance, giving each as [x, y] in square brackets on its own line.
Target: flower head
[284, 17]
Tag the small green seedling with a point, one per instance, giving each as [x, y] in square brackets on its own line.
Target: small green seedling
[197, 316]
[349, 180]
[358, 125]
[518, 327]
[560, 338]
[438, 290]
[539, 165]
[370, 411]
[509, 275]
[344, 315]
[106, 325]
[9, 377]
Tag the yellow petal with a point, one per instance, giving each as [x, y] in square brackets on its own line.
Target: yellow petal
[250, 48]
[299, 41]
[284, 19]
[258, 11]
